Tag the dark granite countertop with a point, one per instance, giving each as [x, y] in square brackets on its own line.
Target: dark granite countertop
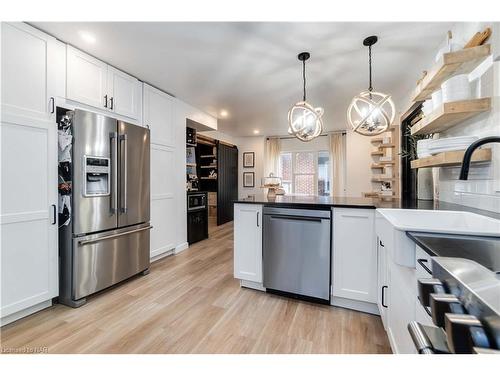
[310, 201]
[482, 250]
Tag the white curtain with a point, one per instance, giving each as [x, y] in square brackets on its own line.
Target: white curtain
[336, 147]
[273, 150]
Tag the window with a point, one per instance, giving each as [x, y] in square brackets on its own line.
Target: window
[305, 172]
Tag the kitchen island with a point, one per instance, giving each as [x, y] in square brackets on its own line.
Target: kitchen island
[371, 261]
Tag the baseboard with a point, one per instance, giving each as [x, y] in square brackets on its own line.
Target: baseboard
[252, 285]
[180, 248]
[165, 254]
[366, 307]
[23, 313]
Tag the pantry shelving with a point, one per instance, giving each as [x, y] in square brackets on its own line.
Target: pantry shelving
[450, 114]
[450, 158]
[452, 63]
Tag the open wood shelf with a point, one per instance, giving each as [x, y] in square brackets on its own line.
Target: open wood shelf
[209, 166]
[382, 164]
[449, 158]
[377, 140]
[191, 164]
[377, 153]
[382, 179]
[450, 114]
[452, 63]
[207, 156]
[387, 145]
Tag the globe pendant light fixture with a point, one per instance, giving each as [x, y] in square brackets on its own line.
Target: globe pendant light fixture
[370, 112]
[304, 121]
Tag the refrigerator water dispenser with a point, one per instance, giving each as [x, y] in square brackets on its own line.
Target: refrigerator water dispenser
[96, 176]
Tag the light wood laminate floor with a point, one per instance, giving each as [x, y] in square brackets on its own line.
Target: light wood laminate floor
[190, 303]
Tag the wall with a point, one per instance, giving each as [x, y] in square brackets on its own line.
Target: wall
[251, 144]
[482, 190]
[358, 164]
[358, 160]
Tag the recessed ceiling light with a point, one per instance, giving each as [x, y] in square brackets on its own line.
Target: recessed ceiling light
[223, 113]
[256, 131]
[86, 36]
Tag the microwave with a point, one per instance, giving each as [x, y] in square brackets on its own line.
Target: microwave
[196, 201]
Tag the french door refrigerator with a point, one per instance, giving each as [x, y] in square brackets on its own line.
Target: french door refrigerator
[107, 240]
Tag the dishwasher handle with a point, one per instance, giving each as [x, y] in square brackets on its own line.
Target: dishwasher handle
[298, 218]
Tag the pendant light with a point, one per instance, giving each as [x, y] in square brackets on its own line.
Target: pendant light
[370, 112]
[304, 121]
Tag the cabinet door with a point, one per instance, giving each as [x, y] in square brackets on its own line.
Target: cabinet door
[158, 111]
[354, 255]
[163, 217]
[86, 79]
[28, 144]
[28, 77]
[124, 93]
[382, 281]
[248, 242]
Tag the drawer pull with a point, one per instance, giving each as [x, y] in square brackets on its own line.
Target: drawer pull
[422, 263]
[383, 296]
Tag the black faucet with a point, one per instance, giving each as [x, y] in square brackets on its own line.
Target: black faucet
[464, 172]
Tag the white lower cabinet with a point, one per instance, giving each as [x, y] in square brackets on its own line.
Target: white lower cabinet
[28, 144]
[248, 242]
[354, 256]
[396, 286]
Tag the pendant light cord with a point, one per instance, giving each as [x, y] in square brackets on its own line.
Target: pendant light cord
[304, 79]
[370, 88]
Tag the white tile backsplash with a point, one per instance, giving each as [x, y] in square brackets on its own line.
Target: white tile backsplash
[482, 189]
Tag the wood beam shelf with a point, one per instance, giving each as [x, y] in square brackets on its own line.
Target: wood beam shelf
[382, 164]
[377, 153]
[450, 158]
[387, 145]
[450, 114]
[452, 63]
[382, 179]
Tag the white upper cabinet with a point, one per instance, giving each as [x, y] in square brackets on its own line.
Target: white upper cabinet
[27, 72]
[94, 83]
[86, 79]
[354, 249]
[124, 94]
[158, 115]
[248, 242]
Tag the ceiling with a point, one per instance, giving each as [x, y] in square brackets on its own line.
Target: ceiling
[250, 69]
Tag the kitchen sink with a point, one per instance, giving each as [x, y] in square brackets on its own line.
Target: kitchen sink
[435, 221]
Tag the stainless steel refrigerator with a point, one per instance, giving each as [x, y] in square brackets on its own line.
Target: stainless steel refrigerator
[107, 239]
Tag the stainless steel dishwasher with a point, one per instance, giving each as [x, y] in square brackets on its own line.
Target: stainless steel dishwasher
[296, 252]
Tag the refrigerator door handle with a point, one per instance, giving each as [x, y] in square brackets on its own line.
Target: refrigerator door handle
[85, 242]
[123, 174]
[114, 169]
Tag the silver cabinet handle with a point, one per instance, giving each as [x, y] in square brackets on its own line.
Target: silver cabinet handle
[54, 213]
[105, 101]
[123, 173]
[114, 169]
[85, 242]
[111, 101]
[258, 218]
[52, 104]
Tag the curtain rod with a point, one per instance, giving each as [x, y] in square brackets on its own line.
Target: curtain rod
[343, 132]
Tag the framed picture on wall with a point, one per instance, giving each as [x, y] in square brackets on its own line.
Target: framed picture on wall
[248, 159]
[248, 179]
